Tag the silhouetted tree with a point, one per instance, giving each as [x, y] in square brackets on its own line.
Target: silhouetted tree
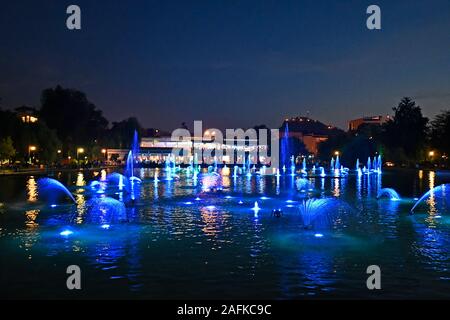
[440, 132]
[121, 133]
[7, 150]
[407, 131]
[76, 120]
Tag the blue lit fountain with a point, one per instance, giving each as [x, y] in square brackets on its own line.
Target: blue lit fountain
[319, 213]
[389, 193]
[52, 191]
[441, 192]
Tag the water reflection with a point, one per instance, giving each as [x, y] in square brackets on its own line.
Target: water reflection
[32, 191]
[431, 201]
[167, 224]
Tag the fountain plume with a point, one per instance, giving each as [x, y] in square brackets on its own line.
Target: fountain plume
[52, 190]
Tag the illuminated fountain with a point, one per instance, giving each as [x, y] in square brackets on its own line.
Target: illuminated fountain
[52, 191]
[256, 208]
[168, 168]
[235, 171]
[319, 213]
[249, 172]
[389, 193]
[359, 172]
[337, 164]
[322, 172]
[262, 171]
[211, 181]
[105, 211]
[285, 147]
[304, 166]
[292, 166]
[441, 192]
[97, 186]
[379, 164]
[302, 184]
[117, 180]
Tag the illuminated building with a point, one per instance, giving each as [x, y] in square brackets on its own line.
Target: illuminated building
[353, 125]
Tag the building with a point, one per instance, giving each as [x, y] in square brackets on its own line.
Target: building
[27, 114]
[156, 150]
[309, 131]
[353, 125]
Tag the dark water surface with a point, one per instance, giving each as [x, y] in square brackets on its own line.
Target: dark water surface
[174, 246]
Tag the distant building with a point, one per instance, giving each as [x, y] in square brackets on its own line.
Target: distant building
[158, 149]
[27, 114]
[353, 125]
[310, 132]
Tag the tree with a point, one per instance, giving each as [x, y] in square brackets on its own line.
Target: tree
[406, 131]
[440, 132]
[7, 150]
[121, 133]
[76, 120]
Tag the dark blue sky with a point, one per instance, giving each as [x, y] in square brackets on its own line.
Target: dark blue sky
[229, 63]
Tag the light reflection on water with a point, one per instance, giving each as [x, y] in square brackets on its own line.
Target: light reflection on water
[217, 244]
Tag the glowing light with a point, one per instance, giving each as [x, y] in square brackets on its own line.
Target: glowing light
[188, 202]
[290, 201]
[264, 198]
[105, 226]
[228, 197]
[256, 208]
[66, 233]
[318, 235]
[240, 202]
[53, 206]
[211, 207]
[437, 217]
[197, 199]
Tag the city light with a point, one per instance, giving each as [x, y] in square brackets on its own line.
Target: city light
[431, 153]
[336, 153]
[66, 233]
[31, 149]
[79, 150]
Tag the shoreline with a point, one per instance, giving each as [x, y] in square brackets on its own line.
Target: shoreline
[36, 171]
[51, 170]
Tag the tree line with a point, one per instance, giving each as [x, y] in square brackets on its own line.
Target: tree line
[406, 139]
[67, 121]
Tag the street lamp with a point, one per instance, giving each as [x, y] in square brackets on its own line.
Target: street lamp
[336, 153]
[31, 149]
[79, 150]
[104, 153]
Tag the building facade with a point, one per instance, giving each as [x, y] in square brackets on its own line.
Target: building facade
[354, 124]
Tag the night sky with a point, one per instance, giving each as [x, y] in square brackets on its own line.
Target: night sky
[229, 63]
